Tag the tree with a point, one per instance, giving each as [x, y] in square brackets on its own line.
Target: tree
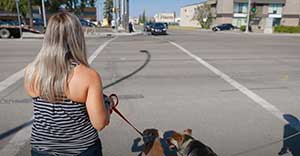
[75, 6]
[10, 6]
[144, 16]
[108, 10]
[203, 15]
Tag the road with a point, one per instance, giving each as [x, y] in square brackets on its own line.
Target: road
[230, 89]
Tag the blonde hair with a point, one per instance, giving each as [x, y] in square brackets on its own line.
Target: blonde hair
[63, 44]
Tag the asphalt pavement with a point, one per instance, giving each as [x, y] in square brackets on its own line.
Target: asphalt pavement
[230, 89]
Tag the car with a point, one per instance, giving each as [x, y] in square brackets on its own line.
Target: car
[147, 26]
[222, 27]
[86, 23]
[38, 22]
[159, 29]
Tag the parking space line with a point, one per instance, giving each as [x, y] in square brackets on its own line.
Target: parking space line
[256, 98]
[21, 137]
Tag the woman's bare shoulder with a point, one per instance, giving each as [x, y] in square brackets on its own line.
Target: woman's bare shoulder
[82, 78]
[87, 74]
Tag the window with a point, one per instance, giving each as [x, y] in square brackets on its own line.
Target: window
[239, 22]
[240, 7]
[276, 22]
[275, 9]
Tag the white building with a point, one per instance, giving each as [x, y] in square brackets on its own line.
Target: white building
[187, 14]
[165, 17]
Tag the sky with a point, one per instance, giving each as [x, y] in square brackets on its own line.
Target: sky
[157, 6]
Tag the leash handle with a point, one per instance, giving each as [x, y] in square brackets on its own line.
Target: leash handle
[114, 98]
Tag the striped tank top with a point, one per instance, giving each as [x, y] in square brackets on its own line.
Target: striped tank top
[61, 128]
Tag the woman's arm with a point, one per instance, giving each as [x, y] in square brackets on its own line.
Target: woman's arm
[97, 112]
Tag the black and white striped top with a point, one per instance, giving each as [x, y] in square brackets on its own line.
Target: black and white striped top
[61, 128]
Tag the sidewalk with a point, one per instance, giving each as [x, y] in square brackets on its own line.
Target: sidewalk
[28, 35]
[257, 33]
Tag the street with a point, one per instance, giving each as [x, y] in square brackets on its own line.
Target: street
[230, 89]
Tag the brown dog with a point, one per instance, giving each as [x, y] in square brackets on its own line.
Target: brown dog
[152, 143]
[185, 145]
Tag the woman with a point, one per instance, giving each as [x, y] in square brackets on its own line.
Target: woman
[66, 92]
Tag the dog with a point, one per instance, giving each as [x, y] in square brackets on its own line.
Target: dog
[186, 145]
[152, 145]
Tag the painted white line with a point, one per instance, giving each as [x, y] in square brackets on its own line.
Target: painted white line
[11, 80]
[99, 50]
[256, 98]
[20, 138]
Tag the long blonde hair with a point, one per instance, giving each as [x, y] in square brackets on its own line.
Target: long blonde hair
[63, 44]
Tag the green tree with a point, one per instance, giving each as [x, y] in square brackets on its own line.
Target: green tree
[108, 10]
[144, 17]
[10, 6]
[203, 15]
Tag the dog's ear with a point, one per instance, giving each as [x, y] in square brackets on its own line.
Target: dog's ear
[188, 131]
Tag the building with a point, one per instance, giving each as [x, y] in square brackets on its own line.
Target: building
[267, 12]
[187, 15]
[165, 17]
[89, 13]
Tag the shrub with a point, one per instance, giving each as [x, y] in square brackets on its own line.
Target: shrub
[287, 29]
[243, 28]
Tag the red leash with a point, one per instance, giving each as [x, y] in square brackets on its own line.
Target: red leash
[114, 97]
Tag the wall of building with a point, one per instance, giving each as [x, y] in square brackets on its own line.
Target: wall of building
[291, 13]
[224, 11]
[187, 15]
[165, 17]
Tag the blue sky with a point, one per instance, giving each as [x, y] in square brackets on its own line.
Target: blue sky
[155, 6]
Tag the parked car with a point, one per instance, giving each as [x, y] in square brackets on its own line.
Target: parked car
[38, 22]
[86, 23]
[222, 27]
[147, 26]
[159, 29]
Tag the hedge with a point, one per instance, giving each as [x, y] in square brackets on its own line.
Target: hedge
[287, 29]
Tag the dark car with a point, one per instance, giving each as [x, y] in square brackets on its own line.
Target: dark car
[147, 26]
[158, 29]
[38, 22]
[222, 27]
[86, 23]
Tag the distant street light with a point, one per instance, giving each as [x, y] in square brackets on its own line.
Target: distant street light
[18, 12]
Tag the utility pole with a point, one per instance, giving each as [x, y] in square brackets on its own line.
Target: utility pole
[248, 16]
[116, 14]
[119, 12]
[18, 12]
[126, 18]
[44, 14]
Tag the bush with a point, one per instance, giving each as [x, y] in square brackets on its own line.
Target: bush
[287, 29]
[243, 28]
